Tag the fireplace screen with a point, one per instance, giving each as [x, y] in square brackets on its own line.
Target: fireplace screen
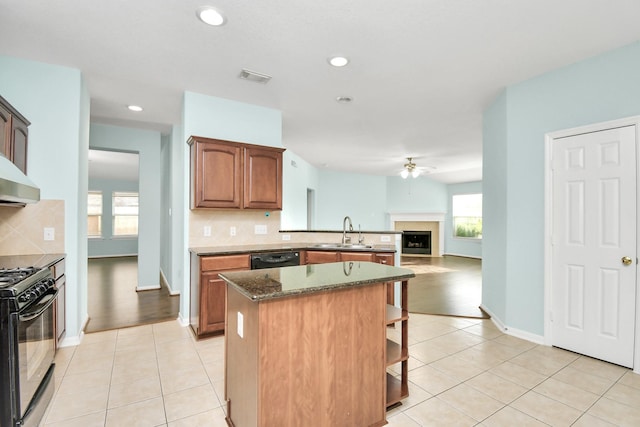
[416, 242]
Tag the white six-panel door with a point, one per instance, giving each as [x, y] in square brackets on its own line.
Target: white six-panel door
[594, 244]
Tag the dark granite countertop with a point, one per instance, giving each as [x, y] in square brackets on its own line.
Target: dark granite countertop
[35, 260]
[258, 285]
[282, 247]
[340, 231]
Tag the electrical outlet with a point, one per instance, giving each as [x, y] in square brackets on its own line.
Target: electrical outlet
[385, 238]
[232, 231]
[260, 229]
[286, 237]
[240, 325]
[49, 233]
[207, 231]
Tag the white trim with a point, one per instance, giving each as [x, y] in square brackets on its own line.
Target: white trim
[182, 320]
[112, 256]
[164, 282]
[518, 333]
[548, 220]
[537, 339]
[463, 256]
[147, 288]
[438, 217]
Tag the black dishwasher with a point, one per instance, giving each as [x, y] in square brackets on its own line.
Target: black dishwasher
[274, 259]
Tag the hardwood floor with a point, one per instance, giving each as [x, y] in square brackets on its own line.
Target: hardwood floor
[447, 285]
[113, 302]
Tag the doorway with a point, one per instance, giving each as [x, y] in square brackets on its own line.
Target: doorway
[115, 297]
[591, 251]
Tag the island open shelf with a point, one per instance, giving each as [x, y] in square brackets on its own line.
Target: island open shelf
[307, 345]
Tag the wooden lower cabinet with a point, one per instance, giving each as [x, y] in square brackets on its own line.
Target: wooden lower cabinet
[208, 291]
[327, 370]
[321, 257]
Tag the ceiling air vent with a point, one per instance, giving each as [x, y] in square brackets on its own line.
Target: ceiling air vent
[254, 77]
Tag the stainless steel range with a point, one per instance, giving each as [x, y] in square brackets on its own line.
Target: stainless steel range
[27, 344]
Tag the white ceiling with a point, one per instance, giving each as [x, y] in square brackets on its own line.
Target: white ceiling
[421, 71]
[113, 165]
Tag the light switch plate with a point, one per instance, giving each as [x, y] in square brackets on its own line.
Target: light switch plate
[385, 238]
[260, 229]
[286, 237]
[232, 231]
[207, 231]
[49, 233]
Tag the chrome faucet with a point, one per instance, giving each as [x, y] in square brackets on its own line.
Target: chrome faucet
[345, 238]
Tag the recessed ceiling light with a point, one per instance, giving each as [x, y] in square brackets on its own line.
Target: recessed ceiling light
[135, 108]
[211, 16]
[338, 61]
[344, 99]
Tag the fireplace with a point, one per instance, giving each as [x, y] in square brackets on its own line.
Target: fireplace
[416, 242]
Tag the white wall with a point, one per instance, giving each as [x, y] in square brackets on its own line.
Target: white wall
[147, 143]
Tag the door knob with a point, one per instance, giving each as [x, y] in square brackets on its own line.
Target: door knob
[626, 260]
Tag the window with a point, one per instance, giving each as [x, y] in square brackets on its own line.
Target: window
[467, 216]
[125, 214]
[94, 211]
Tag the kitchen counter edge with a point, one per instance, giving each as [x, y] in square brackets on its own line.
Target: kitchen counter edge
[291, 247]
[261, 285]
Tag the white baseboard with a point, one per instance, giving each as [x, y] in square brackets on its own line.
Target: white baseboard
[147, 288]
[462, 255]
[69, 341]
[182, 320]
[164, 282]
[537, 339]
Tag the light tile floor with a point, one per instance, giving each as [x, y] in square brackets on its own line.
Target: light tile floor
[463, 372]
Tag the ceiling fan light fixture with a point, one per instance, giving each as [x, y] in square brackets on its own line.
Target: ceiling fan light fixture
[211, 16]
[410, 168]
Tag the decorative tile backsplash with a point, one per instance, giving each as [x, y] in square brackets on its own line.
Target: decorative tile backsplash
[22, 230]
[219, 224]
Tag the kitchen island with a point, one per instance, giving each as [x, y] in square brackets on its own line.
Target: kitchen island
[307, 345]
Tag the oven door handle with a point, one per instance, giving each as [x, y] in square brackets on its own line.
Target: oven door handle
[43, 304]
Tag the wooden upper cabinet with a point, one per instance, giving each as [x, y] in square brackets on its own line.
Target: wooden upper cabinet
[232, 175]
[14, 135]
[262, 178]
[19, 138]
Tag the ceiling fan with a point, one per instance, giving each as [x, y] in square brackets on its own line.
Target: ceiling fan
[410, 168]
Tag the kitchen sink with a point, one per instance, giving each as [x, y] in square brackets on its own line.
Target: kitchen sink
[342, 246]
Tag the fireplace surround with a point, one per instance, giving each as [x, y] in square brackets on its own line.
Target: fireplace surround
[416, 242]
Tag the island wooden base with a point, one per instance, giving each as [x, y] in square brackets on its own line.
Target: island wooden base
[310, 360]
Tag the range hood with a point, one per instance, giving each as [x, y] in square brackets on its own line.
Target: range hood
[15, 188]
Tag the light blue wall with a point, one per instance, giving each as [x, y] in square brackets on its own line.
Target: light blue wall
[147, 143]
[362, 197]
[416, 195]
[297, 177]
[108, 245]
[56, 102]
[166, 237]
[603, 88]
[460, 246]
[494, 208]
[220, 118]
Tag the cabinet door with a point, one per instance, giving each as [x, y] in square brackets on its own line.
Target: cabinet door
[212, 303]
[5, 132]
[19, 137]
[322, 257]
[356, 256]
[218, 175]
[262, 178]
